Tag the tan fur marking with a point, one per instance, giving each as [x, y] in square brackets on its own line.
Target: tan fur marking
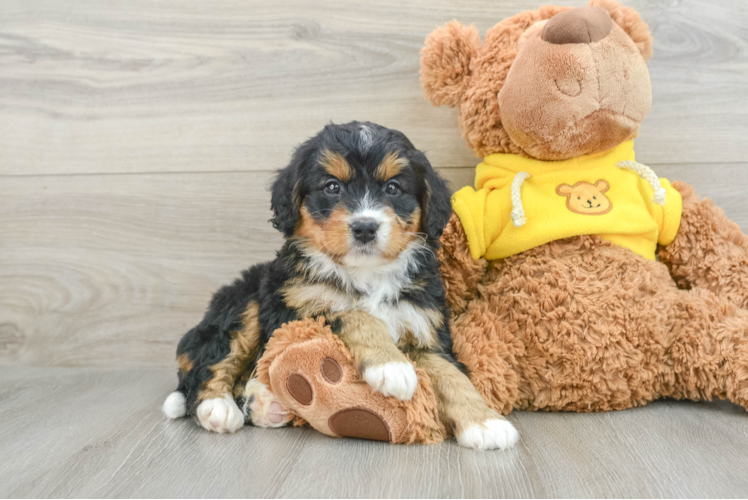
[368, 340]
[460, 405]
[330, 236]
[402, 233]
[391, 166]
[243, 349]
[336, 165]
[313, 299]
[185, 363]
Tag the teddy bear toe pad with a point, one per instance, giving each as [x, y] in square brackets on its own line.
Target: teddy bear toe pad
[360, 423]
[322, 386]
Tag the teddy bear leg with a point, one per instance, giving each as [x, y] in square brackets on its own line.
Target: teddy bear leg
[710, 251]
[461, 274]
[708, 357]
[312, 376]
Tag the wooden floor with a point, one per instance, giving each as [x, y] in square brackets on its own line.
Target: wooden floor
[87, 432]
[137, 140]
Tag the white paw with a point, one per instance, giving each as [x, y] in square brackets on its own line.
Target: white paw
[262, 407]
[393, 379]
[492, 434]
[175, 405]
[220, 415]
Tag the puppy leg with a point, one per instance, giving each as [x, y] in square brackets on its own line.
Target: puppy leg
[215, 361]
[382, 365]
[475, 425]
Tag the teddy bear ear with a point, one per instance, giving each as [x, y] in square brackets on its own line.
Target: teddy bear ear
[631, 22]
[445, 62]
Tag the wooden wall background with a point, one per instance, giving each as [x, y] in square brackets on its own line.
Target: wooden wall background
[137, 140]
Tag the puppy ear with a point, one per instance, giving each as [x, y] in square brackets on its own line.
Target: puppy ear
[631, 22]
[285, 199]
[436, 207]
[445, 62]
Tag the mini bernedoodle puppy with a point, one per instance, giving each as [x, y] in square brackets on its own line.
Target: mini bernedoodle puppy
[362, 212]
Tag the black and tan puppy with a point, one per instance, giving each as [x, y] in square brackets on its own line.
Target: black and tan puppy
[362, 212]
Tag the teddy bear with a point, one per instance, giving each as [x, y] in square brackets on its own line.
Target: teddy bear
[576, 278]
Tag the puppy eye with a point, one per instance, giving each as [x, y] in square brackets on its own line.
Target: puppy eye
[332, 187]
[392, 188]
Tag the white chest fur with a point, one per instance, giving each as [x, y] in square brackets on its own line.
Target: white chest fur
[376, 290]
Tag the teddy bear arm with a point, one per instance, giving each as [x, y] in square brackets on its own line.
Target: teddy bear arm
[709, 251]
[461, 274]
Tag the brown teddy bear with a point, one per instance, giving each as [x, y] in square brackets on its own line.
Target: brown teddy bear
[577, 280]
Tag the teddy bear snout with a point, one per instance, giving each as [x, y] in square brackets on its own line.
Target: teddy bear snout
[580, 25]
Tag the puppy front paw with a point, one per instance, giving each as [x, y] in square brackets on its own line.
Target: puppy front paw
[490, 435]
[395, 379]
[220, 415]
[262, 407]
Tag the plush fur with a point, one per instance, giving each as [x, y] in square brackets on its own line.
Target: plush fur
[580, 324]
[449, 79]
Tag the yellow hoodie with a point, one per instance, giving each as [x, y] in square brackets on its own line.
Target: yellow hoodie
[606, 194]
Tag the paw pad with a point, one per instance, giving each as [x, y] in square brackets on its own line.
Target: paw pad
[360, 423]
[331, 370]
[299, 389]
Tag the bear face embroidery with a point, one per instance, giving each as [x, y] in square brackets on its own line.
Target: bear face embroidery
[586, 199]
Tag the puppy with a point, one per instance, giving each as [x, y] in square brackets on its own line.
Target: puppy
[362, 212]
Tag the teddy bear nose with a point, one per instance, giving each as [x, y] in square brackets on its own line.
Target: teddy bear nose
[580, 25]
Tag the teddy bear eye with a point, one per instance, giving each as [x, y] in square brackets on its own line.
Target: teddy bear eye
[579, 197]
[594, 197]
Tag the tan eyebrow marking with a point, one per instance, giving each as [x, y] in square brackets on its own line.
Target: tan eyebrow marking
[391, 166]
[335, 165]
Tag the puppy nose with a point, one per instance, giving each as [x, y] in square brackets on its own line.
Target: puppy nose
[364, 230]
[580, 25]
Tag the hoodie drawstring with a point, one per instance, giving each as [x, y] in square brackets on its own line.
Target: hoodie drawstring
[518, 211]
[648, 175]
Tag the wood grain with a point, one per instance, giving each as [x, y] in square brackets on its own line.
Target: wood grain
[136, 142]
[94, 86]
[99, 433]
[111, 270]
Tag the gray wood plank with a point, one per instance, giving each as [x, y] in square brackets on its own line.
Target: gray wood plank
[94, 86]
[81, 432]
[111, 270]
